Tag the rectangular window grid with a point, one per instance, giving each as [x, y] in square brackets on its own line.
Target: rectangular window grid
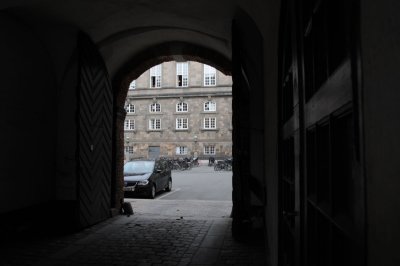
[210, 106]
[182, 74]
[210, 123]
[129, 149]
[155, 108]
[129, 124]
[181, 123]
[209, 75]
[155, 77]
[130, 108]
[181, 150]
[209, 150]
[182, 107]
[155, 124]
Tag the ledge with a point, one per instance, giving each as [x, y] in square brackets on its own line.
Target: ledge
[209, 112]
[209, 129]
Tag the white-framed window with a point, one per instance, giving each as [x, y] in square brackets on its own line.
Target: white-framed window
[210, 74]
[129, 124]
[132, 86]
[209, 150]
[130, 108]
[210, 106]
[154, 124]
[155, 76]
[181, 150]
[155, 108]
[181, 123]
[210, 123]
[129, 149]
[182, 74]
[182, 107]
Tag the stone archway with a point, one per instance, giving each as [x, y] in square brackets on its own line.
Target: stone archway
[133, 69]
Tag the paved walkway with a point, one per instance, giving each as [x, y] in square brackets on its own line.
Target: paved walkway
[174, 237]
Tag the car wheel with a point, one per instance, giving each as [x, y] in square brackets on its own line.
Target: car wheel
[152, 192]
[169, 185]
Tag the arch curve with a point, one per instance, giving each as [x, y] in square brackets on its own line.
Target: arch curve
[179, 51]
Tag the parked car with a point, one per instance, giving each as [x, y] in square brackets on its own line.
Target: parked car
[147, 177]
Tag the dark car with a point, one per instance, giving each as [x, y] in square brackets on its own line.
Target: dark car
[147, 177]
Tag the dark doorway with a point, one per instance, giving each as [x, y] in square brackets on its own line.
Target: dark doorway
[154, 152]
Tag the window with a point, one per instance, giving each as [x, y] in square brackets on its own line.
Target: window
[326, 42]
[210, 123]
[129, 124]
[155, 76]
[209, 150]
[182, 74]
[155, 108]
[181, 150]
[181, 107]
[155, 124]
[181, 123]
[132, 86]
[209, 75]
[210, 106]
[129, 149]
[130, 108]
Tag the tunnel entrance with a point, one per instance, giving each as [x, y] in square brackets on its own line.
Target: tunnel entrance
[247, 196]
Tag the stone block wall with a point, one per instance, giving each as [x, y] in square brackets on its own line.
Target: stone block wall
[168, 138]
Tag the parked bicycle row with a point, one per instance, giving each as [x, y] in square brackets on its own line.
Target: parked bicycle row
[221, 165]
[188, 163]
[181, 163]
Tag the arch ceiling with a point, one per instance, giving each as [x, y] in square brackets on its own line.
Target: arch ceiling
[122, 28]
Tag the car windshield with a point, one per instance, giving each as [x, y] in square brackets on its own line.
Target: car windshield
[138, 167]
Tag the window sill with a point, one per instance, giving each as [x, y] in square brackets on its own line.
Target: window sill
[181, 129]
[154, 130]
[182, 113]
[209, 129]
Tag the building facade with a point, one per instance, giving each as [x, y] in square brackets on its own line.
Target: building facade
[179, 109]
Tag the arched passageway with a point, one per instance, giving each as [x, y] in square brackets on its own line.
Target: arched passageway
[273, 50]
[247, 180]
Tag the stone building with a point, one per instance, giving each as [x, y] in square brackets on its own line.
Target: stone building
[179, 109]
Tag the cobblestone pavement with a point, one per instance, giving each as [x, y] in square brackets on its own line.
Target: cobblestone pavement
[140, 239]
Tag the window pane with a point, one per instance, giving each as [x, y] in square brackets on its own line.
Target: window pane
[181, 123]
[210, 106]
[154, 124]
[155, 107]
[210, 123]
[129, 124]
[130, 108]
[182, 74]
[132, 86]
[209, 150]
[182, 107]
[155, 76]
[209, 75]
